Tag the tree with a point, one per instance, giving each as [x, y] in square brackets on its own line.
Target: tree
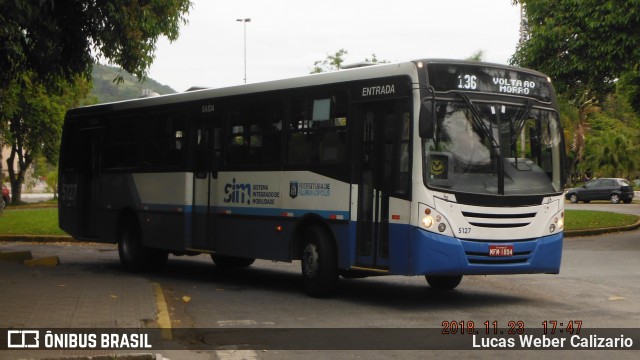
[629, 87]
[374, 60]
[612, 146]
[33, 117]
[54, 39]
[610, 155]
[584, 46]
[335, 62]
[331, 63]
[51, 42]
[477, 56]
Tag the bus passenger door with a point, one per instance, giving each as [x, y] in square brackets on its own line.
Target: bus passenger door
[379, 121]
[207, 156]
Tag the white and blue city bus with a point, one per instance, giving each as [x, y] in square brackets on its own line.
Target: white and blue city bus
[431, 167]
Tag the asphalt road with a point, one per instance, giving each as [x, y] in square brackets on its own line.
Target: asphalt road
[597, 286]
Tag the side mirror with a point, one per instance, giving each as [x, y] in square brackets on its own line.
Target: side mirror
[427, 119]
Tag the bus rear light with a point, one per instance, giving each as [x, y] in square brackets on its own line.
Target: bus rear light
[278, 228]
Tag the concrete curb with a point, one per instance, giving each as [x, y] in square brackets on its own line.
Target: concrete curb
[38, 238]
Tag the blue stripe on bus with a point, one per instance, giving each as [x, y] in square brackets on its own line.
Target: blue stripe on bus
[289, 213]
[248, 211]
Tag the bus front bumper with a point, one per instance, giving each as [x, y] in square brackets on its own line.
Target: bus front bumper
[435, 254]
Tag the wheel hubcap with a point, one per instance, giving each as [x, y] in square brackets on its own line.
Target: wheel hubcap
[310, 261]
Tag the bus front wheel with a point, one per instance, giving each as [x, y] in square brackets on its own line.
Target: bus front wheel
[319, 263]
[444, 282]
[135, 257]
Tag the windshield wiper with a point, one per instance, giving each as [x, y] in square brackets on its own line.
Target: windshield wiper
[477, 121]
[476, 117]
[521, 120]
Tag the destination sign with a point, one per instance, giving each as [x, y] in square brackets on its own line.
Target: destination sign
[466, 77]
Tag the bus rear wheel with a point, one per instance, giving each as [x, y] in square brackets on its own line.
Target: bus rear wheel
[135, 257]
[231, 261]
[444, 282]
[319, 263]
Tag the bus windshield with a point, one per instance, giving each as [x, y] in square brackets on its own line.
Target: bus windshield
[493, 148]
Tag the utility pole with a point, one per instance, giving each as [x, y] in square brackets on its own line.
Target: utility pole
[244, 23]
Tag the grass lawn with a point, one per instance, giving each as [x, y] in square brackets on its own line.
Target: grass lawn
[30, 221]
[586, 219]
[44, 221]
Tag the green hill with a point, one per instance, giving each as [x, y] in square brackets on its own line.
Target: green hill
[106, 90]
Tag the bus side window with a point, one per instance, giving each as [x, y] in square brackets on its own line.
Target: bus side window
[122, 148]
[317, 133]
[256, 134]
[164, 144]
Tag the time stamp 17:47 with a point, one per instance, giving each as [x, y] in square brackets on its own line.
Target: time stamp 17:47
[513, 327]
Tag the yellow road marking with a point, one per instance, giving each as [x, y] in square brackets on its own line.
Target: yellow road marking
[45, 261]
[16, 256]
[164, 321]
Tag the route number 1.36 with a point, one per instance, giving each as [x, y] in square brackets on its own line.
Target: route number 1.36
[468, 82]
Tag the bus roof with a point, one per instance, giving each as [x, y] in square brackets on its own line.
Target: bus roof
[358, 73]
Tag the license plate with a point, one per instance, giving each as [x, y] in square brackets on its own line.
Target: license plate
[500, 250]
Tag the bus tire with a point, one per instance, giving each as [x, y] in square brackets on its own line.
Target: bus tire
[135, 257]
[231, 261]
[319, 263]
[444, 282]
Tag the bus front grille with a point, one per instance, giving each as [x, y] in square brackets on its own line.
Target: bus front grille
[498, 221]
[484, 258]
[498, 261]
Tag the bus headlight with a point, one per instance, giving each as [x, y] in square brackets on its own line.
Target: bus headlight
[427, 221]
[561, 221]
[433, 221]
[557, 222]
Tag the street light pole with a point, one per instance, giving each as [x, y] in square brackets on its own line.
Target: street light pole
[244, 23]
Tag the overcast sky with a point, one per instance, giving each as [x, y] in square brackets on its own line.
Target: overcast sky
[285, 37]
